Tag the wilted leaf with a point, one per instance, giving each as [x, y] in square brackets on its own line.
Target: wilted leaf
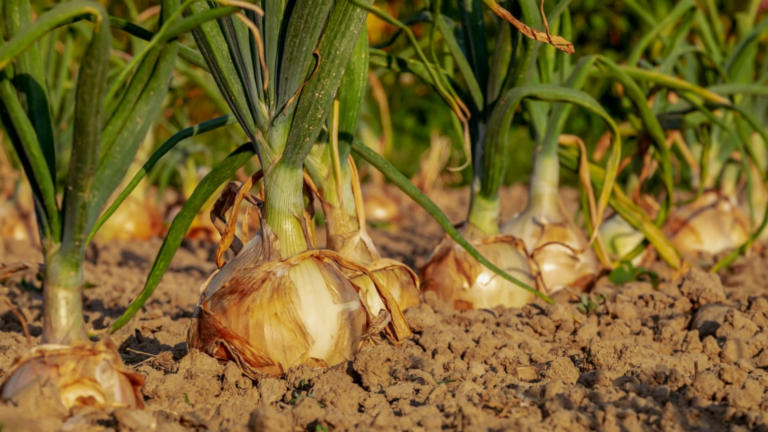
[556, 41]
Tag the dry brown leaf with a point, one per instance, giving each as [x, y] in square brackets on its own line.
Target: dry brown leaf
[556, 41]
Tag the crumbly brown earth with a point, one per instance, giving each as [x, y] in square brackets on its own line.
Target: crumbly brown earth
[690, 355]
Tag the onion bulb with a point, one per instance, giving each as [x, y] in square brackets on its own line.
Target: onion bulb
[13, 224]
[456, 277]
[398, 278]
[17, 219]
[620, 238]
[137, 218]
[81, 375]
[268, 314]
[710, 224]
[559, 249]
[379, 206]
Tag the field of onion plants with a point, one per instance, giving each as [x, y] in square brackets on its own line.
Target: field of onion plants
[330, 215]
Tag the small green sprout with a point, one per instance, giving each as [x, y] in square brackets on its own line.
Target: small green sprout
[627, 272]
[588, 305]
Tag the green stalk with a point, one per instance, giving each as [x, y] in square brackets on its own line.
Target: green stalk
[546, 167]
[652, 125]
[35, 157]
[341, 212]
[680, 9]
[319, 165]
[545, 179]
[483, 214]
[87, 186]
[284, 208]
[545, 184]
[56, 17]
[62, 298]
[63, 316]
[30, 79]
[336, 47]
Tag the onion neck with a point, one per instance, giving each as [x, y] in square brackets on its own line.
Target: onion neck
[339, 207]
[483, 216]
[62, 299]
[284, 208]
[544, 187]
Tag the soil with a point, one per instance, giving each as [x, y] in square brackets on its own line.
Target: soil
[691, 354]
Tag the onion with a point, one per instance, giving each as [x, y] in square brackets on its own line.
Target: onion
[17, 220]
[269, 315]
[559, 249]
[710, 224]
[456, 277]
[80, 375]
[13, 224]
[399, 279]
[379, 206]
[357, 246]
[620, 238]
[137, 218]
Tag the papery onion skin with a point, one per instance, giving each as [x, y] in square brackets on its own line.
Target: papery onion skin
[559, 249]
[82, 375]
[711, 224]
[462, 281]
[256, 312]
[400, 280]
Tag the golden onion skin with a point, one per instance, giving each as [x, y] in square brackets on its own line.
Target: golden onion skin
[400, 280]
[711, 224]
[558, 249]
[462, 281]
[80, 375]
[265, 314]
